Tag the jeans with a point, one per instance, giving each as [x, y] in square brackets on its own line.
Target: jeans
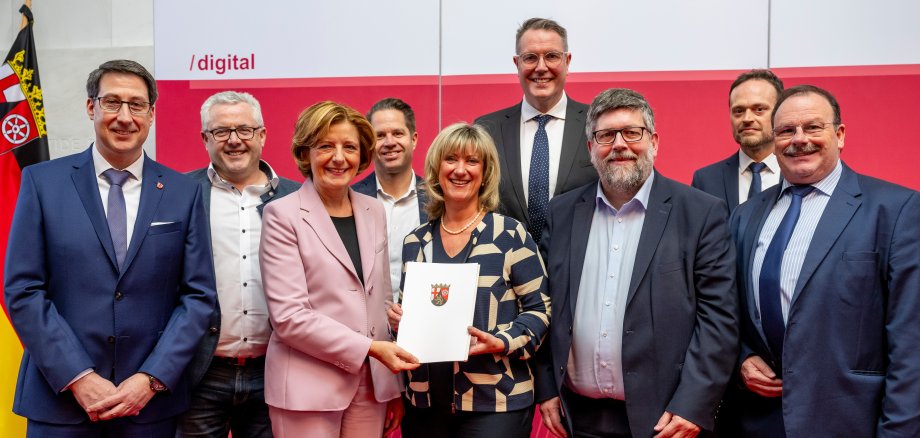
[228, 398]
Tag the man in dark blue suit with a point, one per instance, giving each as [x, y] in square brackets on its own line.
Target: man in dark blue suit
[752, 168]
[641, 268]
[829, 277]
[541, 140]
[393, 181]
[109, 280]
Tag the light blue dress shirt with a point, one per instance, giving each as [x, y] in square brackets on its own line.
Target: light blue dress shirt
[595, 363]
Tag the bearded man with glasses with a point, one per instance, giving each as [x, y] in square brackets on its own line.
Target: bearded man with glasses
[644, 333]
[228, 370]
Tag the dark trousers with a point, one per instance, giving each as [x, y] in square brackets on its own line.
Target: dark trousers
[229, 397]
[595, 418]
[117, 428]
[439, 422]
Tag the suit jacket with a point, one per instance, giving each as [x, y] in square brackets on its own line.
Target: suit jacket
[72, 307]
[852, 346]
[720, 179]
[323, 318]
[575, 168]
[368, 186]
[208, 344]
[680, 329]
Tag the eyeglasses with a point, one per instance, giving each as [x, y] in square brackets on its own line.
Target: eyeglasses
[609, 136]
[328, 149]
[551, 59]
[811, 129]
[242, 133]
[111, 104]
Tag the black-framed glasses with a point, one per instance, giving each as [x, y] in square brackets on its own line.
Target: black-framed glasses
[630, 134]
[242, 133]
[112, 104]
[810, 129]
[551, 59]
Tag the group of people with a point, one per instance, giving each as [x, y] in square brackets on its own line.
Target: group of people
[773, 298]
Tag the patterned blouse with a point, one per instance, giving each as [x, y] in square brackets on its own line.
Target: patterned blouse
[512, 304]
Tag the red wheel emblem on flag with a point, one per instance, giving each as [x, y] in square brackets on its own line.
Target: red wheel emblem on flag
[15, 129]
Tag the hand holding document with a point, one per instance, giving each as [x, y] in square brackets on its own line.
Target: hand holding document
[438, 304]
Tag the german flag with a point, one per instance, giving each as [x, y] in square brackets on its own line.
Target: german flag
[23, 141]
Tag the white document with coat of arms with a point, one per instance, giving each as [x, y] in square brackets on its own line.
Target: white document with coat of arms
[438, 302]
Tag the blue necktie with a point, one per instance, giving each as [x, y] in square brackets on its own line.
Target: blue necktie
[538, 184]
[117, 215]
[771, 309]
[756, 182]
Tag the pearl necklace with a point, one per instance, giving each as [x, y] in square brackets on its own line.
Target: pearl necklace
[468, 224]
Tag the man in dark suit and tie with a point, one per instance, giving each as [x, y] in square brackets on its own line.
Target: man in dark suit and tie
[829, 279]
[540, 141]
[228, 370]
[642, 279]
[753, 166]
[393, 182]
[109, 280]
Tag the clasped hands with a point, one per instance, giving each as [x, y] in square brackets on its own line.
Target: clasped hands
[102, 400]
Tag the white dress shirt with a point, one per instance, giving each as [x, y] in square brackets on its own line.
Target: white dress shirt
[402, 218]
[595, 366]
[813, 206]
[131, 188]
[236, 228]
[555, 127]
[769, 177]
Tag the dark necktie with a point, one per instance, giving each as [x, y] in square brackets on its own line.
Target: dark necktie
[538, 184]
[117, 214]
[756, 182]
[771, 309]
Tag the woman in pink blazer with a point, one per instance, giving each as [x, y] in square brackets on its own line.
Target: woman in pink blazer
[329, 370]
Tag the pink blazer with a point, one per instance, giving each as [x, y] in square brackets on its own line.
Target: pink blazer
[323, 318]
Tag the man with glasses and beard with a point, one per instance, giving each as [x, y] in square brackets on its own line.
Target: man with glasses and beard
[642, 279]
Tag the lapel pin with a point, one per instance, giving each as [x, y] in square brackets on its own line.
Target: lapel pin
[159, 185]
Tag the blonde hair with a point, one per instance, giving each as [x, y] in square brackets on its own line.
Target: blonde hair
[315, 121]
[458, 137]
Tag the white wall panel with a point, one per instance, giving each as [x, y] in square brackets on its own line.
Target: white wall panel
[296, 39]
[611, 36]
[829, 32]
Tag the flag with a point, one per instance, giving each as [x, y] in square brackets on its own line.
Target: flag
[23, 141]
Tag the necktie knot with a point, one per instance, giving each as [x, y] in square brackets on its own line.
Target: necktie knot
[542, 119]
[116, 177]
[757, 167]
[800, 191]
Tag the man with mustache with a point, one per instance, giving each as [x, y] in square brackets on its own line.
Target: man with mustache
[829, 276]
[753, 167]
[393, 181]
[644, 333]
[540, 141]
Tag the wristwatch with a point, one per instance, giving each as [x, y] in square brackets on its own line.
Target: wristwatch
[156, 385]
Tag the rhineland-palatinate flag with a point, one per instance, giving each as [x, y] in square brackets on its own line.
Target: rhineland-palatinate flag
[23, 141]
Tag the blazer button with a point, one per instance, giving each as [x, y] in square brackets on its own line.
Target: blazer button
[212, 330]
[119, 296]
[111, 339]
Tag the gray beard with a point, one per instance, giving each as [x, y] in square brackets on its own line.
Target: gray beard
[624, 180]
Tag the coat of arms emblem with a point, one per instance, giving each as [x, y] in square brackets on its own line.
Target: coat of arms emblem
[439, 293]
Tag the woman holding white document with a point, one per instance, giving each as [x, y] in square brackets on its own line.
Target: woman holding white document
[329, 370]
[491, 394]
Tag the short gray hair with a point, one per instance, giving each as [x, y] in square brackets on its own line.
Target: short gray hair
[231, 98]
[614, 99]
[537, 23]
